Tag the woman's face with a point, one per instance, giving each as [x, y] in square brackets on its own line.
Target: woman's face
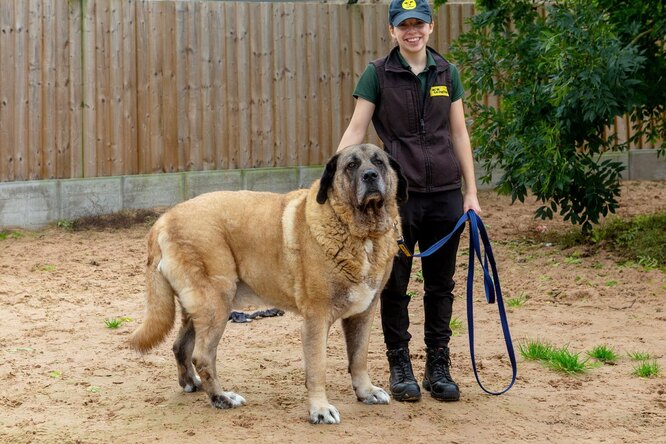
[412, 34]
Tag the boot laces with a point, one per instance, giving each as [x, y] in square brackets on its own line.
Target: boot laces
[440, 365]
[399, 360]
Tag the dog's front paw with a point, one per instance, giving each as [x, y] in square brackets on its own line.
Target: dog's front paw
[375, 395]
[227, 400]
[325, 415]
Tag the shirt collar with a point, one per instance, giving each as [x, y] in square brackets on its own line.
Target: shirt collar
[430, 61]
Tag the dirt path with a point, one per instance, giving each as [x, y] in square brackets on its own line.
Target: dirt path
[68, 378]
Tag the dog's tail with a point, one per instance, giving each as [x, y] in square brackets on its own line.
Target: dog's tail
[160, 303]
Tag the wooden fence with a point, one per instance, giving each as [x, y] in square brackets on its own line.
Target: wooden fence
[113, 87]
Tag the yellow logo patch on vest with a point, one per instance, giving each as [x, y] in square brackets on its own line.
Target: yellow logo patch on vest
[439, 91]
[409, 4]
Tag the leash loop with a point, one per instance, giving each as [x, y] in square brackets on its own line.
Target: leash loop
[491, 284]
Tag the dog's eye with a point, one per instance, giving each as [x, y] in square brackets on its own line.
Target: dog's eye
[352, 165]
[377, 161]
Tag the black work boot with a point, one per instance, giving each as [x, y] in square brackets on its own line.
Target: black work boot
[437, 379]
[403, 383]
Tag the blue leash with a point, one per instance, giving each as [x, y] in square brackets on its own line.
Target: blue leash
[491, 285]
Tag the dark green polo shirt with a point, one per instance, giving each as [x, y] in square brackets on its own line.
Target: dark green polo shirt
[368, 84]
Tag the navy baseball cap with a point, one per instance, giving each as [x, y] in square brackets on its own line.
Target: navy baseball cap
[401, 10]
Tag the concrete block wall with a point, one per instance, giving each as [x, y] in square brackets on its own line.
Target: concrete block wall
[35, 204]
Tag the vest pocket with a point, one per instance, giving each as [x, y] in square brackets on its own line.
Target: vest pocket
[401, 110]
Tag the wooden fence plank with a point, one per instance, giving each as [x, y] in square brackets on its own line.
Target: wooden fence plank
[243, 68]
[278, 78]
[343, 69]
[207, 93]
[89, 87]
[48, 69]
[20, 158]
[180, 87]
[221, 104]
[129, 137]
[33, 153]
[61, 113]
[312, 66]
[75, 91]
[143, 85]
[232, 86]
[292, 87]
[8, 105]
[262, 113]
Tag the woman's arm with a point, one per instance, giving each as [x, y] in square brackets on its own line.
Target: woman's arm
[463, 151]
[358, 125]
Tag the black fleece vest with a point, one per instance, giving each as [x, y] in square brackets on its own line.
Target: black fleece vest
[415, 127]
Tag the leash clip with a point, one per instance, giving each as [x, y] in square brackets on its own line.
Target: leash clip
[403, 247]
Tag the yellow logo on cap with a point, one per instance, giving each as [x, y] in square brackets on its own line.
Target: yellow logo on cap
[439, 91]
[409, 4]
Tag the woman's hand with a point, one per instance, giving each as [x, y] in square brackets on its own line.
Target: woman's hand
[471, 202]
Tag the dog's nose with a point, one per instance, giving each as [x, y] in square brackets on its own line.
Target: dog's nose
[370, 175]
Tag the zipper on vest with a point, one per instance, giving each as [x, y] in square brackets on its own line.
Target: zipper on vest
[430, 78]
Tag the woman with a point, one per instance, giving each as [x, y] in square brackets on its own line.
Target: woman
[413, 96]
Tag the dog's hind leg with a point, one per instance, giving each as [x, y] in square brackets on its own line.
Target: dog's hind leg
[209, 318]
[182, 350]
[357, 336]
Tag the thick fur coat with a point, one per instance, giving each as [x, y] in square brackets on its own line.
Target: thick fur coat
[324, 252]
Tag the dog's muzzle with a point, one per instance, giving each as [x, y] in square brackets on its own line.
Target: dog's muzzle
[371, 189]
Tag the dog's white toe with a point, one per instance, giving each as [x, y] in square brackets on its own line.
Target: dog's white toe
[325, 415]
[227, 400]
[376, 395]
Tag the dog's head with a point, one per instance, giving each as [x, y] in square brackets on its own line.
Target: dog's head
[365, 175]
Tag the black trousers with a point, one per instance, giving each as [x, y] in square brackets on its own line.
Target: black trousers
[426, 218]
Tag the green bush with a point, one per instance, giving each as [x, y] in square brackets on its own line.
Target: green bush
[561, 78]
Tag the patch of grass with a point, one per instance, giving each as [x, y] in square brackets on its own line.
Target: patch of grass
[641, 239]
[56, 374]
[647, 369]
[10, 234]
[639, 356]
[611, 283]
[536, 350]
[518, 301]
[648, 262]
[114, 323]
[412, 294]
[564, 360]
[66, 225]
[559, 359]
[603, 354]
[456, 326]
[44, 267]
[573, 260]
[418, 276]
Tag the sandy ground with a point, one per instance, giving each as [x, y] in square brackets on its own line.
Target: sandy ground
[66, 377]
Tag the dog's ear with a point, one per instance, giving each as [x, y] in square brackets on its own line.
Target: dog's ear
[327, 179]
[401, 194]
